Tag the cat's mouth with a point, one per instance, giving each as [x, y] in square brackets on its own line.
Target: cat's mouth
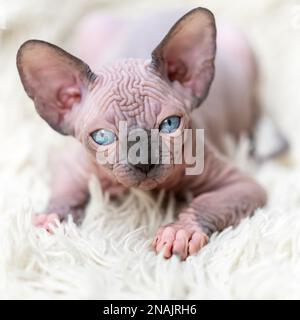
[130, 177]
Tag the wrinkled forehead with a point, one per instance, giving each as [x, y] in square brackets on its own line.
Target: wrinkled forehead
[128, 91]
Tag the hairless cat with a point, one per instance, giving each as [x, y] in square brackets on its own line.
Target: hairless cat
[184, 85]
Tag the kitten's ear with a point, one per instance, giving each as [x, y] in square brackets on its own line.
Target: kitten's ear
[187, 52]
[55, 80]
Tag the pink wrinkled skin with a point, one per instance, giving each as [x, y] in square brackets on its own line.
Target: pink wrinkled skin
[184, 78]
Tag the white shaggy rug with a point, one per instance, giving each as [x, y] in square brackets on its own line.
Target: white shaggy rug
[109, 255]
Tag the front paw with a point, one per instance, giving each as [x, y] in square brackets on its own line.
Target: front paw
[46, 221]
[180, 239]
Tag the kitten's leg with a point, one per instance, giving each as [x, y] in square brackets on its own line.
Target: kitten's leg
[229, 196]
[69, 187]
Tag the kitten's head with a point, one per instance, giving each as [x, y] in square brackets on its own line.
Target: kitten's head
[130, 116]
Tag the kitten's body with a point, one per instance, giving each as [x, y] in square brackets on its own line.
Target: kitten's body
[222, 194]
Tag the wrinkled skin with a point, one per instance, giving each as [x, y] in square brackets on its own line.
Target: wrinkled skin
[176, 81]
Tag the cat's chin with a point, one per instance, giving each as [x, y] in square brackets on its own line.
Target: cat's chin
[147, 184]
[144, 183]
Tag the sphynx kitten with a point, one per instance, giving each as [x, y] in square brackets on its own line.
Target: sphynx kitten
[176, 89]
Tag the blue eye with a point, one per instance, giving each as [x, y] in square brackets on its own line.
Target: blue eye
[103, 137]
[170, 124]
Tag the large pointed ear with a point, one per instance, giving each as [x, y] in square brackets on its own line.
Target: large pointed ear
[55, 80]
[187, 52]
